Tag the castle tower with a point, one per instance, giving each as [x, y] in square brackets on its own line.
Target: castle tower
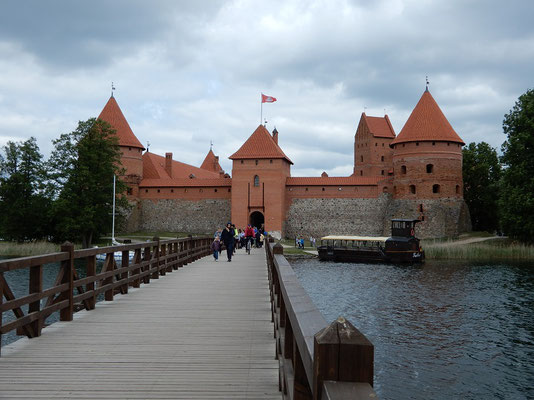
[427, 155]
[211, 163]
[372, 153]
[259, 172]
[130, 146]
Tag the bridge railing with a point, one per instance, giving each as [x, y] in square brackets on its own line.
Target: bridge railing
[317, 360]
[78, 285]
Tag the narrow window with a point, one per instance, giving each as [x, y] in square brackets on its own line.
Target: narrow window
[382, 158]
[435, 188]
[242, 161]
[382, 144]
[433, 143]
[215, 190]
[323, 189]
[429, 168]
[376, 144]
[361, 173]
[256, 162]
[457, 189]
[270, 161]
[229, 190]
[412, 189]
[361, 158]
[172, 190]
[403, 170]
[146, 190]
[306, 189]
[158, 190]
[256, 180]
[382, 172]
[417, 143]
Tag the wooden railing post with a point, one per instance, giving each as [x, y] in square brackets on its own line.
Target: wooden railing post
[341, 353]
[68, 277]
[91, 272]
[137, 260]
[125, 262]
[155, 256]
[36, 286]
[146, 258]
[1, 301]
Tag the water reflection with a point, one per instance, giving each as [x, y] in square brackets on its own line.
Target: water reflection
[441, 330]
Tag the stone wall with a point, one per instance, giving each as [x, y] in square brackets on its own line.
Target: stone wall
[319, 217]
[341, 216]
[440, 217]
[177, 215]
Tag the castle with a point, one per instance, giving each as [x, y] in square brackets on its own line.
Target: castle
[415, 174]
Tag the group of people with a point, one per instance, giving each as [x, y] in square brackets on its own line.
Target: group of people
[299, 242]
[233, 238]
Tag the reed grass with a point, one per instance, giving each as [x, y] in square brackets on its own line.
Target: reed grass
[11, 249]
[483, 251]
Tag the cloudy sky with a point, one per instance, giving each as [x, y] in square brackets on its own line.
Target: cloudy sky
[188, 72]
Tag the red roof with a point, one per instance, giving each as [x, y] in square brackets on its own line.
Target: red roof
[427, 123]
[113, 115]
[379, 126]
[154, 169]
[335, 181]
[211, 163]
[259, 145]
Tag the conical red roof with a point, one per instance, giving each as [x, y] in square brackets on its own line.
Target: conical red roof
[113, 115]
[211, 163]
[427, 123]
[259, 145]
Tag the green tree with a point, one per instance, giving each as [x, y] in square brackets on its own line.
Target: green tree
[481, 174]
[517, 188]
[24, 206]
[83, 164]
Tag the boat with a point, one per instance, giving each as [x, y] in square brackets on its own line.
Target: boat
[401, 247]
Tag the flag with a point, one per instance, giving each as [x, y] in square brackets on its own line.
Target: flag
[267, 99]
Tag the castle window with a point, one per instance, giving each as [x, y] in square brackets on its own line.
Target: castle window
[361, 173]
[242, 161]
[215, 190]
[270, 161]
[158, 190]
[229, 190]
[256, 162]
[403, 145]
[417, 143]
[376, 144]
[412, 189]
[435, 188]
[448, 144]
[429, 168]
[433, 143]
[382, 159]
[323, 189]
[129, 148]
[361, 158]
[146, 190]
[382, 144]
[403, 170]
[256, 179]
[457, 189]
[306, 189]
[172, 190]
[382, 172]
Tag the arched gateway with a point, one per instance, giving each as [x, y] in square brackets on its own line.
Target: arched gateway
[257, 219]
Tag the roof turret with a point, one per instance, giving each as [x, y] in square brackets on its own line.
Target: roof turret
[113, 115]
[427, 123]
[211, 163]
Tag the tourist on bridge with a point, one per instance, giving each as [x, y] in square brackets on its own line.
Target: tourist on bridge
[227, 237]
[216, 248]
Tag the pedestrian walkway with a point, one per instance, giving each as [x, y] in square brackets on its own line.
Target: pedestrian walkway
[202, 332]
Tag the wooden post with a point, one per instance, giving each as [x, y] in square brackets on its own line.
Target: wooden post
[146, 257]
[137, 260]
[90, 287]
[124, 264]
[155, 275]
[278, 249]
[68, 277]
[109, 265]
[301, 387]
[36, 286]
[341, 353]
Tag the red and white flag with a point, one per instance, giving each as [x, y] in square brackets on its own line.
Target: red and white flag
[267, 99]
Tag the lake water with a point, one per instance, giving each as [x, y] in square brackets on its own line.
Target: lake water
[443, 330]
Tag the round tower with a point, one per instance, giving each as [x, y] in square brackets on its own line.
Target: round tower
[131, 148]
[427, 155]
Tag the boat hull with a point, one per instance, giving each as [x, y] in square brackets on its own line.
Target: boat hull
[368, 255]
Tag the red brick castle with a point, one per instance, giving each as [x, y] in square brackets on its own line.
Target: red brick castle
[415, 174]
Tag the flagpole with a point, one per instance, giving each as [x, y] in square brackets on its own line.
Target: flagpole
[261, 108]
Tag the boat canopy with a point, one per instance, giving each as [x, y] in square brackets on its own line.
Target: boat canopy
[357, 238]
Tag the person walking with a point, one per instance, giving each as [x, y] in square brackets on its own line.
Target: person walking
[216, 248]
[249, 235]
[227, 237]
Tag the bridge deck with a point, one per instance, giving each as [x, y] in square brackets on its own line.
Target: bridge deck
[201, 332]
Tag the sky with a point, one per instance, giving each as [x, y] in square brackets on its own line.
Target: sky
[188, 73]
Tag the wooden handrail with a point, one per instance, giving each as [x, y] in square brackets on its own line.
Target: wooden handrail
[317, 360]
[70, 294]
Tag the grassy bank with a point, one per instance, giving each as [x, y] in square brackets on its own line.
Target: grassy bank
[10, 249]
[494, 250]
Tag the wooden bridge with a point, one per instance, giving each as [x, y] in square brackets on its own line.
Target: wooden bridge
[203, 331]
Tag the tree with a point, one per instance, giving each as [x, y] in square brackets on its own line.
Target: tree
[83, 164]
[481, 174]
[24, 206]
[517, 188]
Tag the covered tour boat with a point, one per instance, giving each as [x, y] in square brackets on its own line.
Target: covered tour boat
[401, 247]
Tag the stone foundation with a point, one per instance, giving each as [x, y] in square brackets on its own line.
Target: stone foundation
[177, 215]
